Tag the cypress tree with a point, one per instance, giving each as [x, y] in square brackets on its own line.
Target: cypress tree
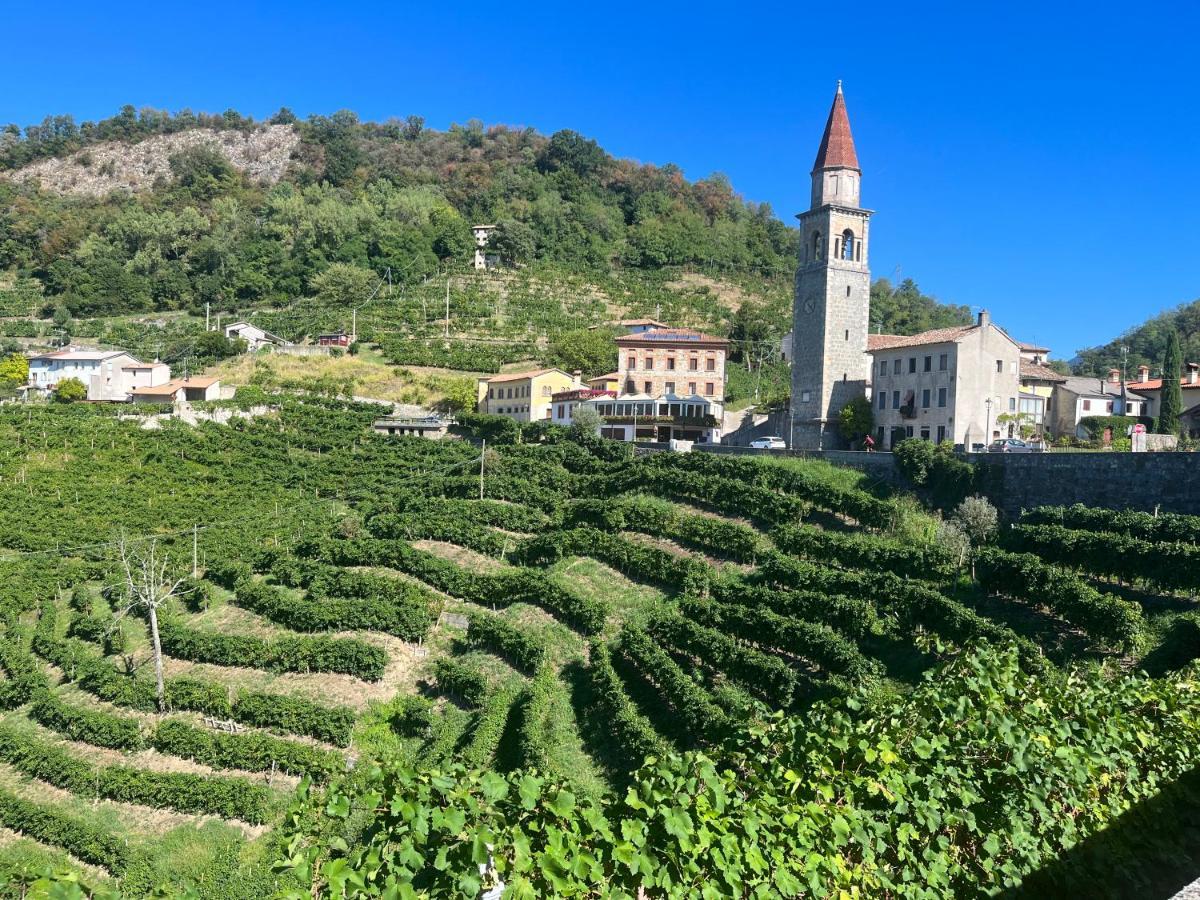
[1170, 406]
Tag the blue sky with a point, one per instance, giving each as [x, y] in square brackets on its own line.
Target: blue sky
[1040, 160]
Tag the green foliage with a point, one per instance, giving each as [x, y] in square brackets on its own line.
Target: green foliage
[587, 350]
[488, 631]
[691, 704]
[251, 752]
[1095, 426]
[903, 309]
[856, 419]
[946, 478]
[14, 369]
[981, 776]
[978, 519]
[462, 681]
[1170, 403]
[82, 839]
[863, 551]
[1146, 344]
[1155, 528]
[70, 390]
[1107, 619]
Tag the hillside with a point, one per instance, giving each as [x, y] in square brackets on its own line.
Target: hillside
[1146, 343]
[795, 651]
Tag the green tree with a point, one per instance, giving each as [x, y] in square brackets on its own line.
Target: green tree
[458, 394]
[856, 419]
[203, 171]
[513, 241]
[590, 350]
[344, 284]
[14, 369]
[1170, 406]
[70, 390]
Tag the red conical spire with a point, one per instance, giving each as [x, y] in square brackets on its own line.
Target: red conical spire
[837, 144]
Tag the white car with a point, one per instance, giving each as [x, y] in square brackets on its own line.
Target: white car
[769, 443]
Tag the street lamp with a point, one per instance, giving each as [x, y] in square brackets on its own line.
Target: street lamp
[987, 432]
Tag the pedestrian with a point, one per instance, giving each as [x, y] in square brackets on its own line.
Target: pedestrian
[869, 443]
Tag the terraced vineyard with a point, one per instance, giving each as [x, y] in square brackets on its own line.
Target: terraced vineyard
[345, 600]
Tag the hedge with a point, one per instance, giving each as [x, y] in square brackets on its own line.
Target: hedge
[691, 703]
[88, 726]
[768, 676]
[488, 631]
[717, 537]
[1107, 619]
[346, 656]
[488, 727]
[864, 551]
[234, 798]
[492, 588]
[460, 680]
[1167, 528]
[52, 826]
[633, 737]
[855, 617]
[406, 614]
[332, 724]
[250, 752]
[1170, 566]
[415, 526]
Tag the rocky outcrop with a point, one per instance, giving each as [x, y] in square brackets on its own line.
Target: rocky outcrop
[262, 154]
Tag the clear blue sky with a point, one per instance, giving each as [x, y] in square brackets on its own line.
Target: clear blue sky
[1042, 160]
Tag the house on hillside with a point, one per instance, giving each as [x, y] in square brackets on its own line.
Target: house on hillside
[483, 259]
[1151, 390]
[179, 390]
[609, 382]
[1079, 397]
[564, 403]
[108, 375]
[254, 336]
[333, 339]
[524, 396]
[949, 384]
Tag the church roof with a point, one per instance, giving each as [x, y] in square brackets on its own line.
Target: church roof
[837, 144]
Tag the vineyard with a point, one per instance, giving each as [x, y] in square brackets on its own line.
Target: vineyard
[395, 667]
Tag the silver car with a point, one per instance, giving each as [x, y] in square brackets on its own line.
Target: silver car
[1010, 445]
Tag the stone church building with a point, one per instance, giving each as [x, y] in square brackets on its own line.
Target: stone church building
[831, 309]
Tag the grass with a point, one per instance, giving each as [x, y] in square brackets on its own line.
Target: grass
[366, 374]
[627, 600]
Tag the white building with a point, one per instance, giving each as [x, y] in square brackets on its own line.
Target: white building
[254, 336]
[664, 418]
[483, 259]
[563, 403]
[178, 391]
[107, 374]
[960, 384]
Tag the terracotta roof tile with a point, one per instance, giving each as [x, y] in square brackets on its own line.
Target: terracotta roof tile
[1042, 373]
[878, 342]
[518, 376]
[837, 144]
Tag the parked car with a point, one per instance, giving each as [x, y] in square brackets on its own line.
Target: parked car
[769, 443]
[1012, 445]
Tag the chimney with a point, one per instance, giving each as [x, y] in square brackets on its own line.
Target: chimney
[1143, 373]
[1193, 371]
[1114, 376]
[577, 377]
[984, 318]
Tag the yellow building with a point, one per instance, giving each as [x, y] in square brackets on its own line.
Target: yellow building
[524, 396]
[609, 382]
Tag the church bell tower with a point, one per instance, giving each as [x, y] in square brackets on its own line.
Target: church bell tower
[831, 307]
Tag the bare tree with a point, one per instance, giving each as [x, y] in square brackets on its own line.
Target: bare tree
[149, 584]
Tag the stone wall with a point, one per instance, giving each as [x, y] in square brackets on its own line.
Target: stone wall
[1169, 482]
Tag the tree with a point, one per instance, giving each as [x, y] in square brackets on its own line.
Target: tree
[590, 350]
[148, 586]
[14, 369]
[1170, 407]
[458, 394]
[585, 420]
[513, 241]
[856, 419]
[344, 284]
[70, 390]
[978, 519]
[572, 151]
[203, 171]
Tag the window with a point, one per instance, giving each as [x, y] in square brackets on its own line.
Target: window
[1087, 405]
[882, 399]
[1012, 404]
[646, 387]
[896, 366]
[632, 362]
[670, 387]
[941, 397]
[1108, 406]
[670, 364]
[928, 367]
[693, 364]
[943, 362]
[649, 361]
[816, 245]
[847, 290]
[924, 432]
[848, 245]
[1012, 367]
[883, 367]
[708, 389]
[895, 399]
[710, 365]
[847, 334]
[1000, 366]
[546, 391]
[491, 393]
[805, 396]
[925, 399]
[691, 387]
[941, 433]
[912, 365]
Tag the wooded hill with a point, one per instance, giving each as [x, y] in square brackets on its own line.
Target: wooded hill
[1147, 343]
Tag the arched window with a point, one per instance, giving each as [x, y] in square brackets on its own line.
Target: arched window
[816, 245]
[848, 245]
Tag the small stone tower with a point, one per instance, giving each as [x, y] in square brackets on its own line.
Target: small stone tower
[831, 309]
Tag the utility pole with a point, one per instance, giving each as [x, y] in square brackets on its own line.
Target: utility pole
[353, 325]
[195, 554]
[207, 308]
[482, 455]
[446, 329]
